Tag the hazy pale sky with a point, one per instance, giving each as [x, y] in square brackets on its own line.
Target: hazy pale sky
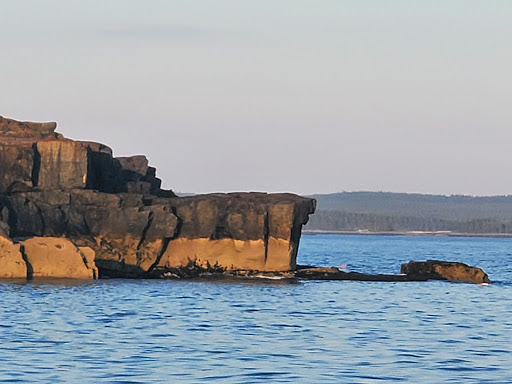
[276, 95]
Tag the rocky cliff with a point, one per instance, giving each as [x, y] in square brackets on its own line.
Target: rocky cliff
[63, 200]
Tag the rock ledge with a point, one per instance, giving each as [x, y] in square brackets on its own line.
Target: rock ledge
[55, 188]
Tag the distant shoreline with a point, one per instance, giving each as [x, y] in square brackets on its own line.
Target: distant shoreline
[407, 233]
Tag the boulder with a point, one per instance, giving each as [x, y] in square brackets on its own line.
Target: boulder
[12, 265]
[444, 270]
[56, 257]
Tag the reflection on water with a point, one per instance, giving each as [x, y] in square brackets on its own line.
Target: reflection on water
[127, 331]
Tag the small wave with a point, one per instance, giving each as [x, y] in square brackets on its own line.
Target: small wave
[269, 277]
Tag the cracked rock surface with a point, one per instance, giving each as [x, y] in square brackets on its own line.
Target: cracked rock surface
[76, 211]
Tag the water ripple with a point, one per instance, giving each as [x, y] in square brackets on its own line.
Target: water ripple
[126, 331]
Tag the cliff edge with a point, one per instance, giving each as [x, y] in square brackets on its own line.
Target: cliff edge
[112, 216]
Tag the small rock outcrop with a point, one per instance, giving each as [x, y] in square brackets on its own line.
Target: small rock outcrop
[444, 270]
[412, 271]
[68, 196]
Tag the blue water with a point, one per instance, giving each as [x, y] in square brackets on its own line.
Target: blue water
[126, 331]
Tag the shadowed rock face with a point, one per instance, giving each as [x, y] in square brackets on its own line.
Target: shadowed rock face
[136, 235]
[55, 187]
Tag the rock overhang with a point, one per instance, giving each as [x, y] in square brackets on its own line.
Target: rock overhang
[53, 186]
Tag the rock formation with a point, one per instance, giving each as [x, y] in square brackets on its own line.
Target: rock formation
[70, 209]
[12, 265]
[412, 271]
[57, 257]
[444, 270]
[53, 187]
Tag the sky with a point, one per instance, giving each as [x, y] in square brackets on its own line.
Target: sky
[304, 96]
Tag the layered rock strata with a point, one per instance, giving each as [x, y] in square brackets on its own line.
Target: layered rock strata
[51, 186]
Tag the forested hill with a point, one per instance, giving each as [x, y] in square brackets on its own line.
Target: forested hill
[388, 212]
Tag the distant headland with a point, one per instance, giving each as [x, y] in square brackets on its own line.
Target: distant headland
[412, 214]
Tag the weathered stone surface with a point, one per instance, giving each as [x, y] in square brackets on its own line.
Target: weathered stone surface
[120, 240]
[238, 231]
[444, 270]
[27, 129]
[127, 236]
[12, 265]
[5, 229]
[117, 221]
[89, 256]
[333, 273]
[134, 164]
[412, 271]
[42, 213]
[55, 187]
[133, 235]
[62, 164]
[138, 187]
[229, 254]
[55, 257]
[15, 167]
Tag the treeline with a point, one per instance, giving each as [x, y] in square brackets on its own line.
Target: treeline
[401, 212]
[332, 220]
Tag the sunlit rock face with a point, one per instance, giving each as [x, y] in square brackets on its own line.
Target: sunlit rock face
[115, 209]
[238, 231]
[57, 257]
[12, 265]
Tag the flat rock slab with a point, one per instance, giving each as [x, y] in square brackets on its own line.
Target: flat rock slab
[333, 273]
[412, 271]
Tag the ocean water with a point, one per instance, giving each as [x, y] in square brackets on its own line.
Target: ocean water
[155, 331]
